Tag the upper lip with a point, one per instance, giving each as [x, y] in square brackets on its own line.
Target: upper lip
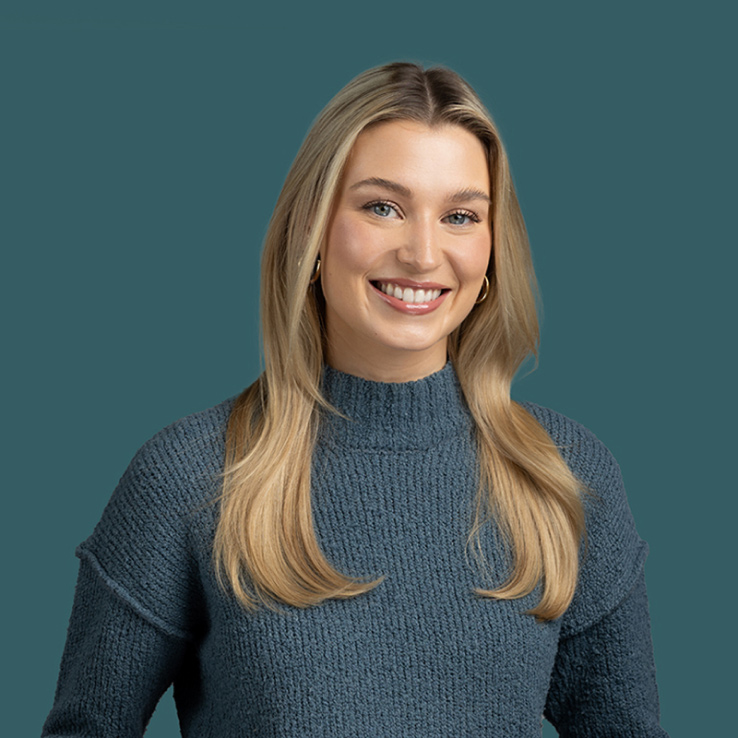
[411, 283]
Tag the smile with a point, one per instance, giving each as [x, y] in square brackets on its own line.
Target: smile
[414, 300]
[408, 294]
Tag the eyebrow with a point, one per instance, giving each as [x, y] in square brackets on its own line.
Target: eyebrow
[468, 193]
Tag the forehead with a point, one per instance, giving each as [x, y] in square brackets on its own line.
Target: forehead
[417, 155]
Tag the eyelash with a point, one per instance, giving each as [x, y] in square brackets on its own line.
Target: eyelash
[473, 217]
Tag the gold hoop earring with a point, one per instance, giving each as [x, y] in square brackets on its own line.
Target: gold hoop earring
[316, 273]
[485, 291]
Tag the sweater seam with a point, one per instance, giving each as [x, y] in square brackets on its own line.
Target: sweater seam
[627, 585]
[122, 593]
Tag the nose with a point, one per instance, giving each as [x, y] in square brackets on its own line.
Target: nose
[421, 246]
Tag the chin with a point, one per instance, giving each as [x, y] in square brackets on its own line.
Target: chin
[413, 345]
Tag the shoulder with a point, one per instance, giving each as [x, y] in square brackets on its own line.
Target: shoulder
[190, 447]
[588, 458]
[613, 554]
[173, 473]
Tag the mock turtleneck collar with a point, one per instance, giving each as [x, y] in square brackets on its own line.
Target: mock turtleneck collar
[394, 416]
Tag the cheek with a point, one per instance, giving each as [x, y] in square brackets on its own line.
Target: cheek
[474, 260]
[341, 265]
[350, 250]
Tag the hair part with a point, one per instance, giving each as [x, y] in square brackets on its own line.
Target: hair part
[265, 547]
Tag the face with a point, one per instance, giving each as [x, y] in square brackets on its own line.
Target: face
[407, 249]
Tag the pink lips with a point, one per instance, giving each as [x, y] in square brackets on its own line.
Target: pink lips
[411, 308]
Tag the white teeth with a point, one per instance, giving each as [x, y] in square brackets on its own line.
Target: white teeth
[408, 294]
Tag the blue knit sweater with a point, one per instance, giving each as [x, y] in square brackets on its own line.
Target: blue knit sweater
[419, 656]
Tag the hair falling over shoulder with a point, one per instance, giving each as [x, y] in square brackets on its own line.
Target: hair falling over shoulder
[265, 548]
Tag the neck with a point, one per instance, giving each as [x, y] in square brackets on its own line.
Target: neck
[391, 366]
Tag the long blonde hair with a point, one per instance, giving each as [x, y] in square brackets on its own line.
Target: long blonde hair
[265, 546]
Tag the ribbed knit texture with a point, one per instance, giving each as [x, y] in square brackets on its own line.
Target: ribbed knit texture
[420, 655]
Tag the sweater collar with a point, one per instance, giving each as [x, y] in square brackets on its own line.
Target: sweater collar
[397, 416]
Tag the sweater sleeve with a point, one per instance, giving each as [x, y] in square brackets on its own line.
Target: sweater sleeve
[147, 544]
[613, 555]
[604, 682]
[115, 666]
[139, 603]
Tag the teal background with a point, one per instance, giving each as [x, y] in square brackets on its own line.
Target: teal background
[143, 148]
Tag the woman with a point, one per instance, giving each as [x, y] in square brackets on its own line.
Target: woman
[296, 560]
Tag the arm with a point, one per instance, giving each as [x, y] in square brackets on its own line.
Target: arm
[603, 683]
[115, 666]
[139, 606]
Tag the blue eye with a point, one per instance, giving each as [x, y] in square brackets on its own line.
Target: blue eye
[462, 218]
[381, 209]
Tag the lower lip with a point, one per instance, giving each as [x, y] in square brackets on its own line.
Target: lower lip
[411, 308]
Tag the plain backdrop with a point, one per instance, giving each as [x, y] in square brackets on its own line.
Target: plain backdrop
[143, 148]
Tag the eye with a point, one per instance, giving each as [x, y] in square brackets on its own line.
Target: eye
[462, 218]
[381, 208]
